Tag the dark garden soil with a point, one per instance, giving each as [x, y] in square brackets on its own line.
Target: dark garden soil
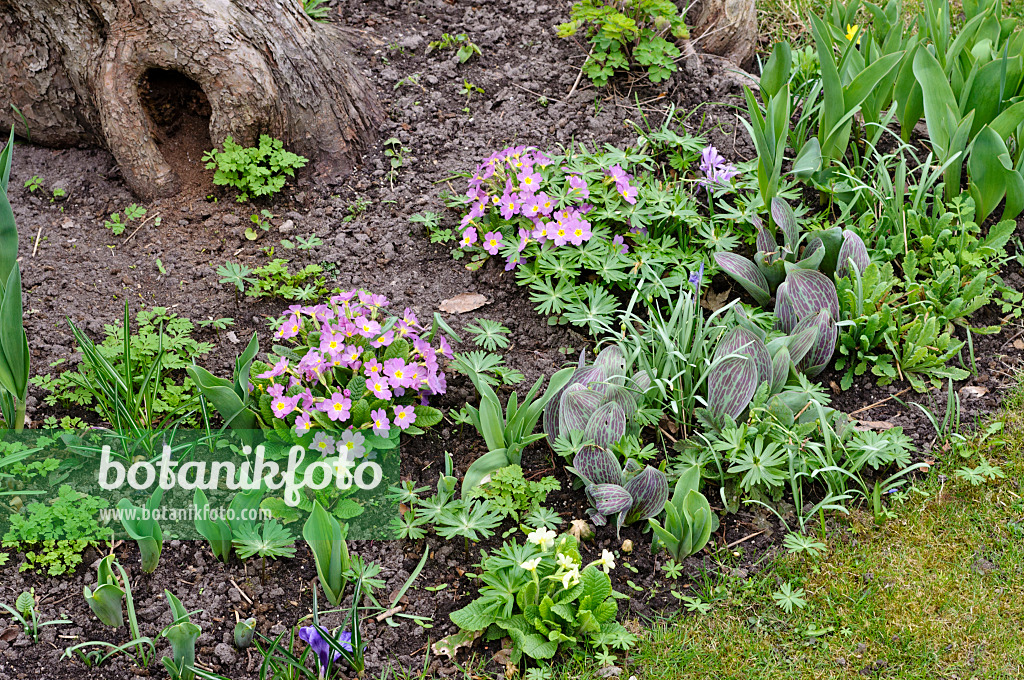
[74, 268]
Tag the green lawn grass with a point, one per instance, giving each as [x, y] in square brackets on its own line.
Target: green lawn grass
[937, 592]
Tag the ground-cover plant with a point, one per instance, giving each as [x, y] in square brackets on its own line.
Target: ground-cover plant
[542, 596]
[54, 535]
[624, 34]
[829, 251]
[276, 280]
[510, 494]
[253, 171]
[131, 379]
[14, 354]
[631, 492]
[671, 344]
[317, 10]
[132, 212]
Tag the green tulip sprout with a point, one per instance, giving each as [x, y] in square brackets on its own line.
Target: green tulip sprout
[105, 601]
[14, 355]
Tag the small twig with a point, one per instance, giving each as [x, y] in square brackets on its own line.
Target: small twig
[389, 613]
[879, 403]
[240, 591]
[745, 538]
[141, 224]
[36, 246]
[670, 437]
[535, 94]
[580, 74]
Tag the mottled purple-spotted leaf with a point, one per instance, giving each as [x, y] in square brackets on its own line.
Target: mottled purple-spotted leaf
[552, 419]
[612, 359]
[607, 425]
[820, 354]
[641, 382]
[785, 219]
[756, 221]
[731, 386]
[741, 341]
[597, 466]
[853, 249]
[577, 403]
[609, 499]
[800, 343]
[804, 293]
[649, 490]
[780, 369]
[746, 274]
[766, 242]
[625, 396]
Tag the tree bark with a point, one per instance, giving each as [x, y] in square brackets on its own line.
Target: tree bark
[73, 70]
[727, 28]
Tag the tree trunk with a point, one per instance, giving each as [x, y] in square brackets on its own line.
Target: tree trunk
[85, 72]
[727, 28]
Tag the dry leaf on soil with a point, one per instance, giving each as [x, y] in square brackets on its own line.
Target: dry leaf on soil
[462, 303]
[450, 645]
[878, 425]
[973, 391]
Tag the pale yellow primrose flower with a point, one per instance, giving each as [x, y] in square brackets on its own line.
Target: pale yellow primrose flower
[565, 561]
[571, 578]
[531, 565]
[607, 561]
[545, 538]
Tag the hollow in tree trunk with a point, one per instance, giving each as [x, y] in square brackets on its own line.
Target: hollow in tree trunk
[727, 28]
[94, 72]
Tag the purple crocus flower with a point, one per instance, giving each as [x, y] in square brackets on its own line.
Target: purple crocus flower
[715, 169]
[324, 655]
